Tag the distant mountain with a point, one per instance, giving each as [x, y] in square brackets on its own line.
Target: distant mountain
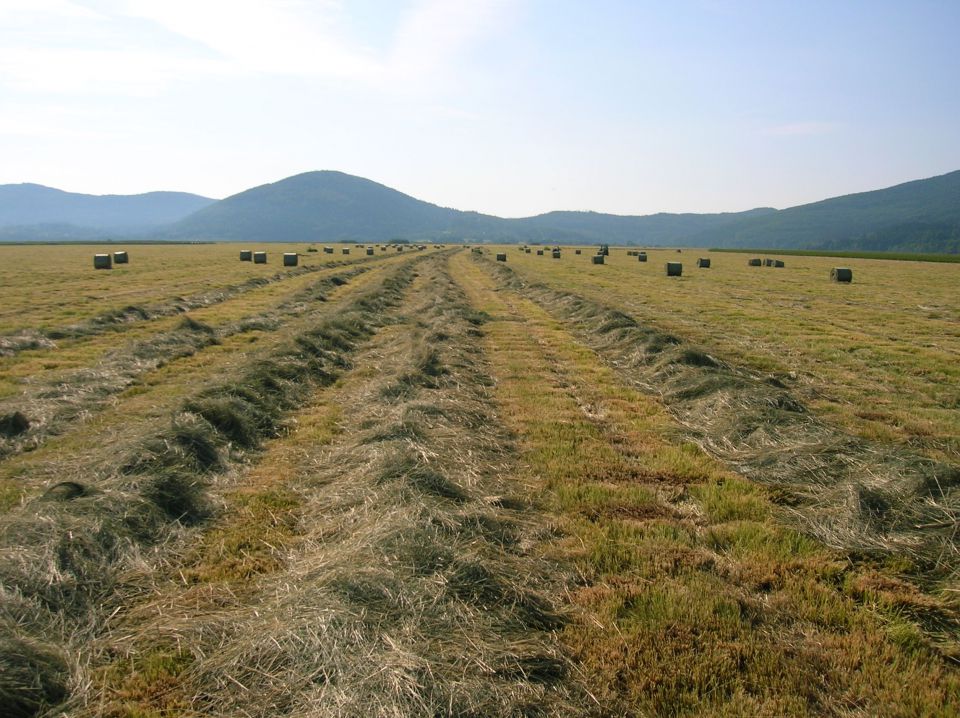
[35, 211]
[331, 206]
[327, 206]
[923, 215]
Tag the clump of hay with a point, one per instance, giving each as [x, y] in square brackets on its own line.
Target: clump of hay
[13, 424]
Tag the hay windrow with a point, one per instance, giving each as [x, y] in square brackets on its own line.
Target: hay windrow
[58, 401]
[410, 591]
[62, 554]
[753, 424]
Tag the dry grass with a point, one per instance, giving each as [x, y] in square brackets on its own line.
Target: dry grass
[410, 589]
[65, 552]
[698, 600]
[879, 357]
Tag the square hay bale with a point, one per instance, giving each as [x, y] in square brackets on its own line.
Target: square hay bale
[841, 274]
[674, 269]
[328, 250]
[102, 261]
[502, 257]
[641, 256]
[703, 263]
[121, 258]
[539, 252]
[246, 255]
[526, 251]
[768, 262]
[290, 259]
[555, 254]
[370, 252]
[755, 262]
[778, 263]
[597, 259]
[259, 257]
[578, 251]
[345, 250]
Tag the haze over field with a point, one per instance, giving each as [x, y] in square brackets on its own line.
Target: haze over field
[511, 109]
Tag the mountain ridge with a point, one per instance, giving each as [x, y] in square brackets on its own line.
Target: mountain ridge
[328, 205]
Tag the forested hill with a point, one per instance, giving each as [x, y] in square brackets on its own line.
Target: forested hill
[918, 216]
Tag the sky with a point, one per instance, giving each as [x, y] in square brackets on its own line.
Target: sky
[509, 107]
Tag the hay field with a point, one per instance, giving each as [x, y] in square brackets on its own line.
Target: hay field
[431, 483]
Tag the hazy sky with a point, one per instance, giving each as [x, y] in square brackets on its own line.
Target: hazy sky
[512, 107]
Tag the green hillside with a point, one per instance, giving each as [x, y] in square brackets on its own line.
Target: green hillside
[923, 216]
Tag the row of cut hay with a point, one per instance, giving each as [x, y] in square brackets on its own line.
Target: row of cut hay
[417, 588]
[61, 555]
[119, 319]
[51, 405]
[850, 493]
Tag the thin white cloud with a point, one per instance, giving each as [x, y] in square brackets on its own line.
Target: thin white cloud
[104, 46]
[799, 129]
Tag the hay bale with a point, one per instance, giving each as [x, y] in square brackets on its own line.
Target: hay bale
[311, 249]
[597, 259]
[641, 256]
[841, 274]
[328, 250]
[370, 252]
[703, 263]
[259, 257]
[526, 251]
[13, 424]
[102, 261]
[578, 251]
[121, 258]
[290, 259]
[246, 255]
[778, 263]
[539, 252]
[502, 257]
[768, 262]
[674, 269]
[755, 262]
[345, 250]
[555, 254]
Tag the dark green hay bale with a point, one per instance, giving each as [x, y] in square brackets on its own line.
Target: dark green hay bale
[703, 263]
[13, 424]
[370, 252]
[539, 252]
[578, 251]
[641, 256]
[674, 269]
[755, 262]
[778, 263]
[597, 259]
[246, 255]
[290, 259]
[502, 257]
[180, 496]
[767, 262]
[33, 677]
[841, 274]
[102, 261]
[64, 491]
[121, 257]
[259, 257]
[555, 254]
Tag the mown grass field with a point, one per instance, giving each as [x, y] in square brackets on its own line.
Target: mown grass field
[430, 483]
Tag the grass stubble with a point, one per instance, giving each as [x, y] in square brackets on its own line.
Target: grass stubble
[65, 551]
[700, 594]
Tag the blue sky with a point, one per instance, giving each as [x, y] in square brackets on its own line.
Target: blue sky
[511, 107]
